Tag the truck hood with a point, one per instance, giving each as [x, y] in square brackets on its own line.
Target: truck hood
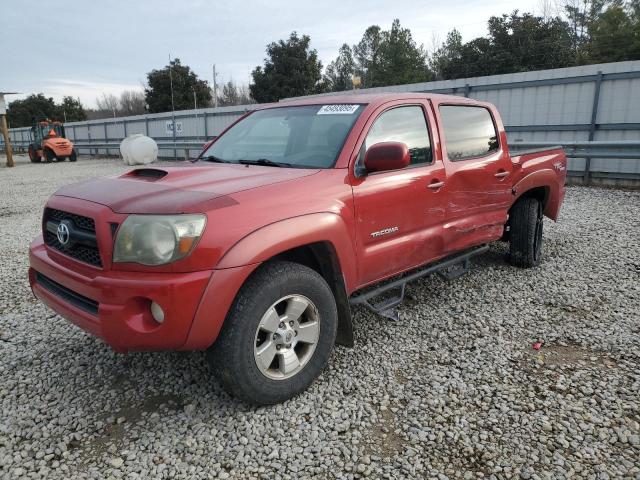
[187, 188]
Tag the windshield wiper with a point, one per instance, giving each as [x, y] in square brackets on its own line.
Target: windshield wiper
[265, 161]
[213, 158]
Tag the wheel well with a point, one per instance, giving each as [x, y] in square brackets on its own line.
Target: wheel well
[322, 257]
[539, 193]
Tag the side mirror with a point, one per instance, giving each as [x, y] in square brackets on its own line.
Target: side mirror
[387, 156]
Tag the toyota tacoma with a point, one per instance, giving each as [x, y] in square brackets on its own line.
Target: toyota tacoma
[257, 250]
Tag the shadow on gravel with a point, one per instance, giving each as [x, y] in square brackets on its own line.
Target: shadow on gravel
[496, 256]
[570, 356]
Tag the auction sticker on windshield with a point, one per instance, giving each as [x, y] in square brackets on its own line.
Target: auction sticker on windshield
[337, 109]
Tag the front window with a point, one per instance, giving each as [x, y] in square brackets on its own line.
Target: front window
[308, 136]
[49, 130]
[406, 125]
[53, 131]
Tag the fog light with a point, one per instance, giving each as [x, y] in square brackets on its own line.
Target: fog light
[157, 312]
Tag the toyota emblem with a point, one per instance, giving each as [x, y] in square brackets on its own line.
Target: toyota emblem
[63, 233]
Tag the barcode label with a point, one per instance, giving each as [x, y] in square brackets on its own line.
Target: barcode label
[337, 109]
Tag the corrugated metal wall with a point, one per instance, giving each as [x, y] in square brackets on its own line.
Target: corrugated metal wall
[548, 105]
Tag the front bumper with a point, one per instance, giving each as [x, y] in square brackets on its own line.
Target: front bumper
[115, 305]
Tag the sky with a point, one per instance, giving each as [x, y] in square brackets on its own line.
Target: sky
[84, 48]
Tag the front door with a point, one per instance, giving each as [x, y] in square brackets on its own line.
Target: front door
[400, 213]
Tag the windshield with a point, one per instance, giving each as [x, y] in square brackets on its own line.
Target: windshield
[303, 137]
[47, 130]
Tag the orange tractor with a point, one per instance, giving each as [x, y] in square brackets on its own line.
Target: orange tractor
[48, 142]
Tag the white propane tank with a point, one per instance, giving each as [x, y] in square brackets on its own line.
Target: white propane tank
[139, 149]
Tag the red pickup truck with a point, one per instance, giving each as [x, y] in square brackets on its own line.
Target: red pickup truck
[256, 251]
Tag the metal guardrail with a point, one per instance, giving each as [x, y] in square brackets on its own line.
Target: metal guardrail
[588, 150]
[581, 149]
[594, 149]
[614, 150]
[93, 147]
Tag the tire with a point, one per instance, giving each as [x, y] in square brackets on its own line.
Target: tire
[33, 156]
[525, 248]
[49, 156]
[74, 156]
[250, 331]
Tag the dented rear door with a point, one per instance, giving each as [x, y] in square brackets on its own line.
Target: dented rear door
[479, 173]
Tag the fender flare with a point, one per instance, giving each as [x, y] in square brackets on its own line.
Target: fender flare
[270, 240]
[545, 178]
[239, 262]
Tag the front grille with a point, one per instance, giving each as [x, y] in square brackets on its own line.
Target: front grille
[82, 245]
[85, 223]
[74, 298]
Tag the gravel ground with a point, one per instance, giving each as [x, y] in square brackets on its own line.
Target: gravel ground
[454, 390]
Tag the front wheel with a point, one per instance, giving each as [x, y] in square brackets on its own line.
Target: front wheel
[525, 235]
[278, 335]
[74, 156]
[49, 156]
[33, 155]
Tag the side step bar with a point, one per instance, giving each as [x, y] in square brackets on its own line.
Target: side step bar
[449, 269]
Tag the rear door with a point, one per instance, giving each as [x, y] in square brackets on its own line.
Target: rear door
[400, 213]
[478, 175]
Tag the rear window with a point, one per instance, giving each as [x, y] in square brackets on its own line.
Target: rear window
[469, 131]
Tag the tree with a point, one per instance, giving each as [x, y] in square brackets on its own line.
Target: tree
[389, 57]
[24, 113]
[580, 14]
[516, 43]
[129, 103]
[614, 35]
[339, 73]
[401, 60]
[455, 59]
[71, 110]
[233, 94]
[291, 69]
[366, 54]
[109, 104]
[229, 95]
[244, 95]
[521, 43]
[132, 102]
[185, 83]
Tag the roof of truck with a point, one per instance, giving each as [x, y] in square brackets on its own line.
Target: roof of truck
[371, 98]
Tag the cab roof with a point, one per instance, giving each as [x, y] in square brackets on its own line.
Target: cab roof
[373, 99]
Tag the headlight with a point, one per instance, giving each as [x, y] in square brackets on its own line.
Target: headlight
[157, 239]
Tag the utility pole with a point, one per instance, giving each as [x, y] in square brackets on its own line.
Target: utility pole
[215, 87]
[173, 112]
[195, 110]
[5, 129]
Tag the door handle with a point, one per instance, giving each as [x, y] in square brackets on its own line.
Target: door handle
[501, 174]
[435, 185]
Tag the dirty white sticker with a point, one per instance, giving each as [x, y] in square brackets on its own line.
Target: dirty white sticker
[337, 109]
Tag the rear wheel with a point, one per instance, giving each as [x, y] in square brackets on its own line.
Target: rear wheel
[525, 235]
[33, 155]
[278, 335]
[49, 156]
[74, 156]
